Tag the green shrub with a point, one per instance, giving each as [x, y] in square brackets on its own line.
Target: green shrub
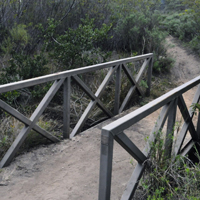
[17, 40]
[169, 178]
[21, 67]
[76, 47]
[139, 32]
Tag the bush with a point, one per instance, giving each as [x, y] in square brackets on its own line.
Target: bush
[76, 47]
[21, 67]
[169, 178]
[139, 33]
[180, 25]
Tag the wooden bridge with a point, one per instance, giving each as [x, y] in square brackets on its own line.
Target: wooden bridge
[113, 69]
[171, 105]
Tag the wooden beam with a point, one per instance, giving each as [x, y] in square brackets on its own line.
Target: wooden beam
[60, 75]
[117, 90]
[66, 107]
[130, 147]
[106, 158]
[34, 118]
[92, 103]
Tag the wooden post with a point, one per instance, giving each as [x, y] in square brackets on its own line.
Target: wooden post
[149, 77]
[117, 90]
[66, 107]
[170, 130]
[198, 126]
[105, 165]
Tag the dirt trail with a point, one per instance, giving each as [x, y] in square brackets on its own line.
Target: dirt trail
[70, 170]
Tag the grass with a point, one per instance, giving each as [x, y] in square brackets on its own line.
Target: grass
[169, 178]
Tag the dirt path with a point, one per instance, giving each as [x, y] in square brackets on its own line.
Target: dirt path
[70, 170]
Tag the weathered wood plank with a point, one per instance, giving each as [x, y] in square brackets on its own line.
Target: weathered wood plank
[117, 90]
[187, 148]
[150, 68]
[92, 103]
[133, 182]
[34, 118]
[170, 129]
[27, 121]
[130, 147]
[127, 98]
[187, 117]
[132, 80]
[46, 100]
[87, 90]
[106, 157]
[66, 107]
[184, 129]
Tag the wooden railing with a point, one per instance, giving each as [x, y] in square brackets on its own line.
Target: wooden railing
[64, 79]
[115, 131]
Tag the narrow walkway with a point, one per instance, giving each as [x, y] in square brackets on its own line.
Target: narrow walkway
[70, 170]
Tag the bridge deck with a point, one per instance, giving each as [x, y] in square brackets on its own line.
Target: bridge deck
[70, 169]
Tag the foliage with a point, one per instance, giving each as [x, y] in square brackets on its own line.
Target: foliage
[23, 67]
[180, 25]
[17, 40]
[76, 47]
[139, 33]
[169, 178]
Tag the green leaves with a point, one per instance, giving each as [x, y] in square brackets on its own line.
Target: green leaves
[76, 47]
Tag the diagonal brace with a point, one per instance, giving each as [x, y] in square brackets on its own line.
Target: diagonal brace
[92, 103]
[27, 121]
[92, 96]
[35, 116]
[130, 147]
[187, 117]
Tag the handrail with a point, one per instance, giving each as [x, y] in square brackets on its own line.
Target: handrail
[60, 75]
[64, 78]
[115, 131]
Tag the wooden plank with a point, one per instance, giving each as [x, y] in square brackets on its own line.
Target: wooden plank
[92, 103]
[170, 130]
[187, 148]
[130, 147]
[117, 90]
[132, 80]
[66, 107]
[87, 90]
[27, 121]
[187, 118]
[15, 146]
[181, 138]
[142, 69]
[83, 119]
[34, 117]
[198, 126]
[184, 129]
[133, 182]
[127, 98]
[46, 100]
[106, 157]
[150, 68]
[158, 127]
[64, 74]
[105, 82]
[128, 120]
